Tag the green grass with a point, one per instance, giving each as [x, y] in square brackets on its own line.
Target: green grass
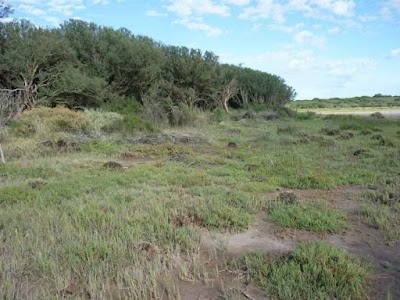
[65, 218]
[312, 271]
[384, 218]
[312, 217]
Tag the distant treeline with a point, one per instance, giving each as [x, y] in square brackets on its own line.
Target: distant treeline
[377, 100]
[83, 65]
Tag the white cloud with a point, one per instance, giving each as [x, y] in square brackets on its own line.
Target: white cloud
[264, 9]
[308, 38]
[299, 5]
[309, 73]
[348, 68]
[155, 13]
[6, 20]
[200, 26]
[31, 10]
[103, 2]
[286, 29]
[394, 53]
[367, 18]
[52, 12]
[338, 7]
[27, 1]
[66, 7]
[186, 8]
[334, 30]
[238, 2]
[52, 20]
[390, 8]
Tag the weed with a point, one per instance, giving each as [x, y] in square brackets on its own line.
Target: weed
[380, 217]
[312, 271]
[287, 129]
[307, 216]
[330, 131]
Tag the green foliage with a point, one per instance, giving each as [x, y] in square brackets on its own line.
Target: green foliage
[100, 120]
[31, 59]
[311, 217]
[45, 119]
[84, 65]
[312, 271]
[75, 89]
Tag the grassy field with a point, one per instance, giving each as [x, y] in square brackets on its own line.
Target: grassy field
[355, 102]
[87, 213]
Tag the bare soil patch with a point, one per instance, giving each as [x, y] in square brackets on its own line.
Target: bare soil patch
[360, 239]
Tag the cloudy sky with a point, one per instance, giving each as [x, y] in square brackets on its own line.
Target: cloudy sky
[323, 48]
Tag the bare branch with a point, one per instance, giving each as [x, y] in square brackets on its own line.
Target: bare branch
[10, 101]
[228, 91]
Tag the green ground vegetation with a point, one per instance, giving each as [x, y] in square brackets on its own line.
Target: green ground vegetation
[66, 219]
[377, 100]
[313, 217]
[312, 271]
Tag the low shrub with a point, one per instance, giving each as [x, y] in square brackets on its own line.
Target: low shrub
[101, 120]
[40, 119]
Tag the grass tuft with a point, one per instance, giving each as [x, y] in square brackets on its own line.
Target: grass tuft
[307, 216]
[312, 271]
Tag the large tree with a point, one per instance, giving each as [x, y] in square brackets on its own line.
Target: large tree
[31, 60]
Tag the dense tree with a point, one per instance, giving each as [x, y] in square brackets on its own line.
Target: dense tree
[82, 64]
[32, 59]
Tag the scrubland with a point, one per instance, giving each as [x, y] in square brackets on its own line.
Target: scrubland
[92, 208]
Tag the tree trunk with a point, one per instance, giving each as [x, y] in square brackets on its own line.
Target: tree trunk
[2, 155]
[226, 105]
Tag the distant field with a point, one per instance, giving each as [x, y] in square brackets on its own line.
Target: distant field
[391, 112]
[364, 101]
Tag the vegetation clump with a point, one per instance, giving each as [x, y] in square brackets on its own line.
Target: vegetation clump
[311, 271]
[307, 216]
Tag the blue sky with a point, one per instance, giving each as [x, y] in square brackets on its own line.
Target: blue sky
[323, 48]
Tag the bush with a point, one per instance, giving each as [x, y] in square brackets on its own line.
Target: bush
[41, 119]
[183, 115]
[377, 115]
[306, 115]
[154, 112]
[99, 120]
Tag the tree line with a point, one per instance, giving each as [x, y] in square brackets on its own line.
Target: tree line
[82, 64]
